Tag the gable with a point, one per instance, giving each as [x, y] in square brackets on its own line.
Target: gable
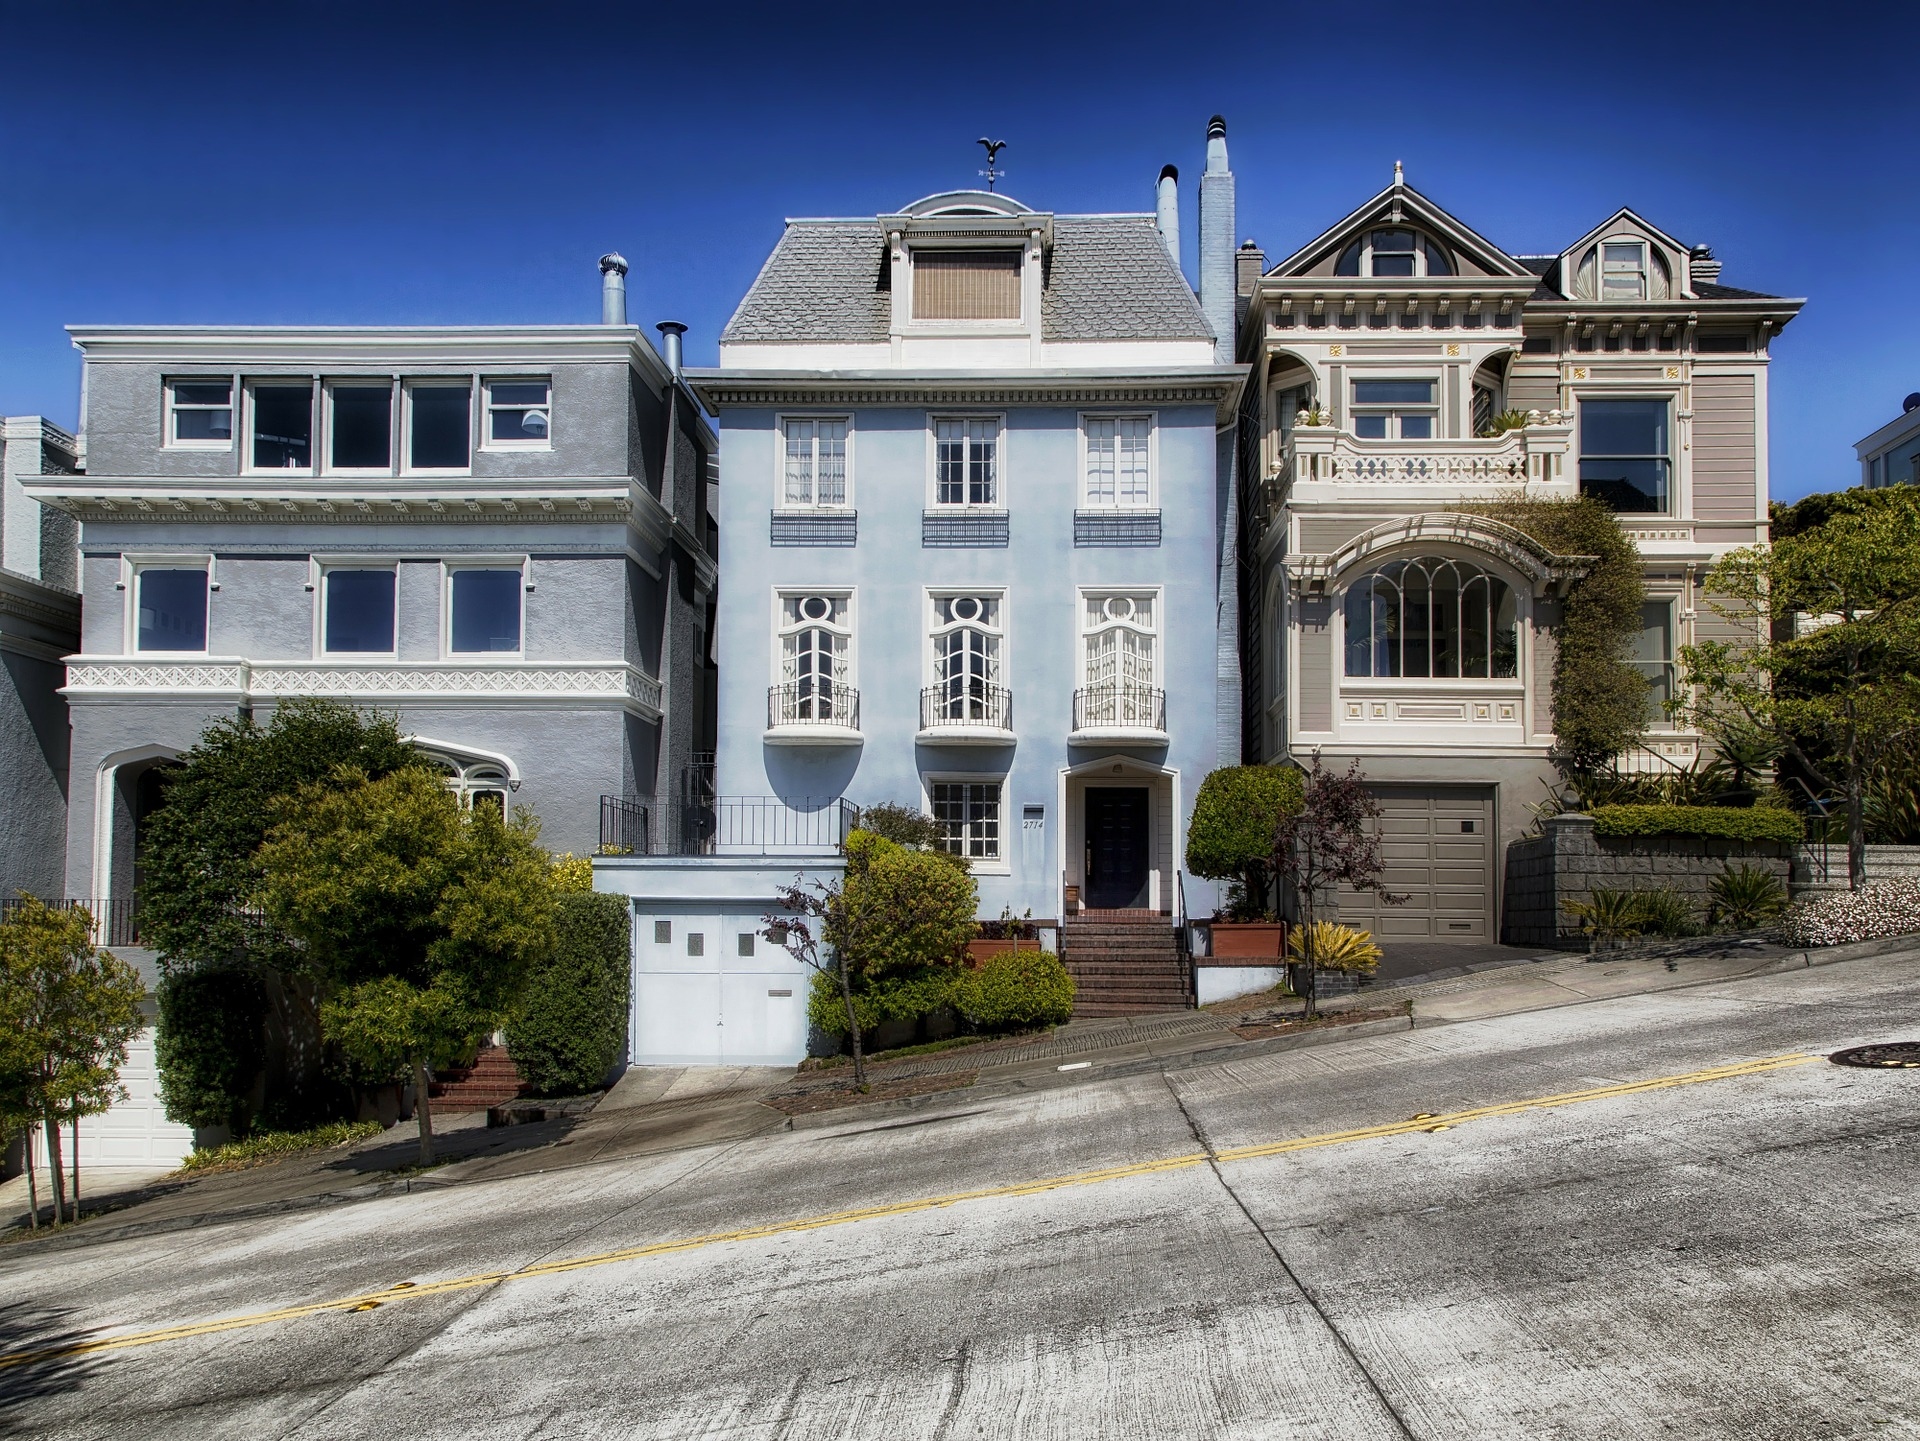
[1402, 208]
[1579, 273]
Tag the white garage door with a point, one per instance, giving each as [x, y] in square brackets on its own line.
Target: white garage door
[1437, 843]
[136, 1132]
[709, 991]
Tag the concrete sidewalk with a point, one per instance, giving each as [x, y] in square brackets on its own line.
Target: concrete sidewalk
[659, 1109]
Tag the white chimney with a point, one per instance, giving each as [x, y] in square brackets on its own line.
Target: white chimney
[613, 289]
[1217, 291]
[670, 333]
[1167, 210]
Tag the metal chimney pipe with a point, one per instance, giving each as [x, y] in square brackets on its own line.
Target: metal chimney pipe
[1167, 210]
[613, 288]
[670, 333]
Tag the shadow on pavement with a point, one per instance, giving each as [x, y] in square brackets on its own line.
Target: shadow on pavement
[399, 1149]
[26, 1326]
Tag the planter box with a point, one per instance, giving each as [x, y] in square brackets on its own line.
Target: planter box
[978, 951]
[1256, 942]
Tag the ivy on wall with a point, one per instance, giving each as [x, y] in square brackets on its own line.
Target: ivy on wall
[1599, 699]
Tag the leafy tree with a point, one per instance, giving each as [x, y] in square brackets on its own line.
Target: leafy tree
[897, 915]
[1829, 662]
[420, 918]
[1329, 841]
[210, 1045]
[570, 1025]
[68, 1012]
[1230, 837]
[903, 825]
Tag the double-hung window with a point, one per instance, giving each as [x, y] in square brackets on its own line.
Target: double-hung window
[816, 645]
[439, 425]
[1625, 453]
[1653, 657]
[282, 426]
[1119, 462]
[968, 634]
[170, 606]
[1394, 409]
[815, 475]
[966, 460]
[1119, 645]
[1623, 270]
[200, 414]
[969, 817]
[519, 415]
[357, 609]
[484, 608]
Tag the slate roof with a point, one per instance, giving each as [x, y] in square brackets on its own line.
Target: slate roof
[1108, 277]
[1543, 266]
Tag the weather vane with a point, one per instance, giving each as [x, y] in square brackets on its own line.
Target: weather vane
[993, 148]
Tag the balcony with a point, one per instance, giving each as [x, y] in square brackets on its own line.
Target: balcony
[813, 712]
[727, 826]
[966, 712]
[1119, 713]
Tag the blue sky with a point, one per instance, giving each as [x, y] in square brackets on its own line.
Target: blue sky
[338, 164]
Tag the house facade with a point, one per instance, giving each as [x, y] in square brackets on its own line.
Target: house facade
[500, 534]
[1891, 455]
[1402, 363]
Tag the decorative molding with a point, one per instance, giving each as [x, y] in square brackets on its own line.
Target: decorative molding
[1215, 385]
[24, 598]
[102, 676]
[1517, 549]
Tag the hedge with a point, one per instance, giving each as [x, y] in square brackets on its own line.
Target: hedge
[1235, 816]
[1016, 990]
[210, 1043]
[1761, 823]
[571, 1025]
[896, 996]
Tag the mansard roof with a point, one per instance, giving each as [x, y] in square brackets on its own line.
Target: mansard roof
[1107, 277]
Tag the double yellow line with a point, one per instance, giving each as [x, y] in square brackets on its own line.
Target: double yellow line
[411, 1291]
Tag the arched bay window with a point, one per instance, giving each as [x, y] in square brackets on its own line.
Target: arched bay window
[1432, 617]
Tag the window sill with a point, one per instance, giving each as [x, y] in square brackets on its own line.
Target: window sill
[512, 449]
[204, 447]
[813, 734]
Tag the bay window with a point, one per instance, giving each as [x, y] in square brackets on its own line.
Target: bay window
[1431, 618]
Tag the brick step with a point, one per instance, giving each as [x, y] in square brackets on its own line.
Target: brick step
[490, 1081]
[1101, 1011]
[1177, 994]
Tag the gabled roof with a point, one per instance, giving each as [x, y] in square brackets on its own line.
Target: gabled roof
[1398, 204]
[1612, 224]
[1107, 277]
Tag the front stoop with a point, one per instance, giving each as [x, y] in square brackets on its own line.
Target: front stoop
[1124, 967]
[490, 1081]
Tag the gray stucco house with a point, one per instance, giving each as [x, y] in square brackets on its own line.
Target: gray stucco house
[500, 533]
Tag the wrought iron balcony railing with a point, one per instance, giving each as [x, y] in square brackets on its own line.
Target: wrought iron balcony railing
[1120, 705]
[816, 701]
[966, 702]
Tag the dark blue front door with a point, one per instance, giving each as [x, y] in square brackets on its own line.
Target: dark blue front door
[1116, 847]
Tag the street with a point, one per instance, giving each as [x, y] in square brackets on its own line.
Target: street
[1722, 1255]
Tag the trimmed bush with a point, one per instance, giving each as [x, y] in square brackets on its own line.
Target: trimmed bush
[210, 1044]
[1743, 897]
[1016, 991]
[1875, 911]
[909, 995]
[571, 1024]
[1231, 835]
[1760, 823]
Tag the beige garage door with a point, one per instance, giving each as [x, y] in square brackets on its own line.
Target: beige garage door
[1437, 842]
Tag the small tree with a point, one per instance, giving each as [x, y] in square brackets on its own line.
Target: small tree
[421, 919]
[69, 1011]
[1230, 838]
[1829, 660]
[896, 911]
[1330, 841]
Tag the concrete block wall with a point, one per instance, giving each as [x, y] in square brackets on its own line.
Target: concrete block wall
[1569, 862]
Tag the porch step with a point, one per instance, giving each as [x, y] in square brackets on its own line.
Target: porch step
[1124, 967]
[490, 1081]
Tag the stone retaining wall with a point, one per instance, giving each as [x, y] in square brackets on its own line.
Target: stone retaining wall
[1568, 861]
[1821, 867]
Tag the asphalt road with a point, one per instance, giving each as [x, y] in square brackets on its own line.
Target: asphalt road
[1733, 1255]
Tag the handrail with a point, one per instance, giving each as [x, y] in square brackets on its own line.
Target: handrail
[816, 702]
[966, 701]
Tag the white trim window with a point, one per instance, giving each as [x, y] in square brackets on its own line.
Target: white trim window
[1432, 617]
[1653, 657]
[474, 782]
[359, 427]
[280, 426]
[1394, 252]
[519, 414]
[1623, 270]
[970, 812]
[1119, 656]
[814, 476]
[485, 606]
[200, 413]
[439, 426]
[1119, 468]
[816, 659]
[966, 460]
[358, 608]
[968, 634]
[169, 614]
[1401, 408]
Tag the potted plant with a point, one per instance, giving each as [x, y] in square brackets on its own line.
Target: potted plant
[998, 938]
[1231, 838]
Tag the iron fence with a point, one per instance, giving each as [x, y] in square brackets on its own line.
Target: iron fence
[624, 826]
[727, 826]
[116, 920]
[966, 701]
[1118, 703]
[815, 701]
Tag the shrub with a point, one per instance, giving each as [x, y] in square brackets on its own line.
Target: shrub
[1761, 823]
[1607, 916]
[1743, 897]
[1231, 835]
[571, 1025]
[1877, 910]
[896, 996]
[268, 1146]
[572, 873]
[1335, 947]
[1666, 912]
[210, 1044]
[1018, 990]
[903, 909]
[903, 825]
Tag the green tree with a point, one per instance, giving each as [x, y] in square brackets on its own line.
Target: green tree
[210, 1044]
[68, 1011]
[570, 1025]
[420, 919]
[1828, 659]
[1230, 837]
[901, 916]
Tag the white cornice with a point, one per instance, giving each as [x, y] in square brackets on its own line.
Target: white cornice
[24, 598]
[1218, 385]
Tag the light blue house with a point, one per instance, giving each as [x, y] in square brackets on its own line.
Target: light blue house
[978, 558]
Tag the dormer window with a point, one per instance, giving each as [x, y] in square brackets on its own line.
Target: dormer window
[1623, 270]
[966, 284]
[1393, 254]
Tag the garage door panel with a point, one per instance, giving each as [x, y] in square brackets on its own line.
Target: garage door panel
[1460, 850]
[764, 1018]
[1437, 845]
[136, 1131]
[677, 1019]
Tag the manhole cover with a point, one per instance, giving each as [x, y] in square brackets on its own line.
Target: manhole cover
[1894, 1055]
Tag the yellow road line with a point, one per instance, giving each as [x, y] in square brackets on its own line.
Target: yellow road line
[408, 1290]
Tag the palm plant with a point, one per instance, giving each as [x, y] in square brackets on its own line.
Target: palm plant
[1334, 947]
[1666, 912]
[1745, 897]
[1742, 766]
[1608, 916]
[1505, 421]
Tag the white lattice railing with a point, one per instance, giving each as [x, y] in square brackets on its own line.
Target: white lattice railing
[1535, 454]
[398, 681]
